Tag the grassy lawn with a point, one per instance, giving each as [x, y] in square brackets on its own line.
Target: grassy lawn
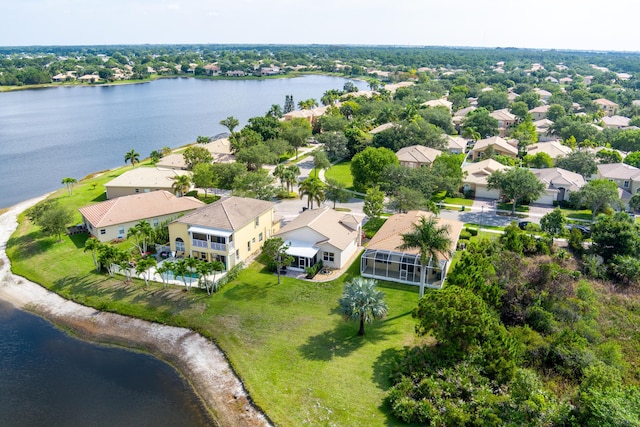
[341, 172]
[300, 361]
[509, 206]
[577, 214]
[458, 201]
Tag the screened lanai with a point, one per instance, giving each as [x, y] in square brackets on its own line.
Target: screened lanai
[400, 267]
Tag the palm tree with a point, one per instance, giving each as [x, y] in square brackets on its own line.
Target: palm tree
[291, 173]
[430, 240]
[313, 188]
[230, 123]
[362, 301]
[471, 133]
[279, 172]
[143, 266]
[142, 234]
[92, 244]
[181, 184]
[163, 269]
[133, 157]
[69, 182]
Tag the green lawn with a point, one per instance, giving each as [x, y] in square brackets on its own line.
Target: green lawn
[577, 214]
[301, 363]
[341, 172]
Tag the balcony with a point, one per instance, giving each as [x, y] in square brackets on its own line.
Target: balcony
[196, 243]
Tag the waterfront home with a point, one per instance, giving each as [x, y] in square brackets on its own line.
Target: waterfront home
[220, 150]
[475, 178]
[322, 234]
[112, 219]
[497, 144]
[142, 180]
[309, 115]
[229, 230]
[416, 156]
[385, 261]
[559, 183]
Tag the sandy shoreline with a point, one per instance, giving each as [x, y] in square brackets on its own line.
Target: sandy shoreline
[195, 357]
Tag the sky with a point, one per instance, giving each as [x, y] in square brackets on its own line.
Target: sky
[544, 24]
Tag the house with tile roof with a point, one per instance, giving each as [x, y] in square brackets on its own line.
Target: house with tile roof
[439, 103]
[539, 113]
[559, 183]
[220, 150]
[416, 156]
[456, 144]
[610, 108]
[229, 230]
[554, 149]
[504, 118]
[625, 176]
[475, 178]
[322, 234]
[142, 180]
[499, 146]
[112, 219]
[384, 260]
[615, 122]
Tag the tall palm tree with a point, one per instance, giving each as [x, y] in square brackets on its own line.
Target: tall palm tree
[163, 270]
[362, 301]
[313, 188]
[230, 123]
[181, 184]
[471, 133]
[69, 182]
[143, 268]
[291, 173]
[279, 172]
[133, 157]
[92, 244]
[430, 240]
[142, 234]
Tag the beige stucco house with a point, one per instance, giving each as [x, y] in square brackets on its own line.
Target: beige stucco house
[475, 178]
[322, 234]
[610, 108]
[142, 180]
[625, 176]
[229, 230]
[539, 113]
[504, 118]
[500, 146]
[553, 148]
[416, 156]
[112, 219]
[456, 144]
[616, 122]
[220, 150]
[385, 261]
[439, 103]
[559, 183]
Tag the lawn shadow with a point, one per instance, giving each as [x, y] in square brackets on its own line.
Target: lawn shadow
[31, 244]
[247, 292]
[341, 341]
[79, 239]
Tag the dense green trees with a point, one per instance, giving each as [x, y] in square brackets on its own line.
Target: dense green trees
[367, 166]
[516, 184]
[481, 122]
[582, 162]
[596, 195]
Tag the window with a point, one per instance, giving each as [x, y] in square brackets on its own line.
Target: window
[137, 190]
[103, 231]
[249, 246]
[328, 256]
[121, 231]
[257, 221]
[260, 237]
[237, 253]
[253, 240]
[155, 222]
[626, 184]
[179, 245]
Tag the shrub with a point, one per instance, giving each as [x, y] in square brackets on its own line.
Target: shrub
[465, 235]
[313, 270]
[231, 275]
[472, 231]
[192, 193]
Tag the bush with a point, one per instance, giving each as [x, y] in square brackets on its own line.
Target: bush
[284, 194]
[313, 270]
[472, 231]
[231, 275]
[192, 193]
[465, 235]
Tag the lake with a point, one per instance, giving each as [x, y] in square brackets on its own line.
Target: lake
[49, 134]
[46, 377]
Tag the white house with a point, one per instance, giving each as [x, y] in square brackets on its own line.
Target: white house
[559, 183]
[322, 234]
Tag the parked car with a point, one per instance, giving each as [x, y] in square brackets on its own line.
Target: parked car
[584, 229]
[523, 224]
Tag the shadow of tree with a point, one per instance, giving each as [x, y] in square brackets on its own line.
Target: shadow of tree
[79, 239]
[243, 291]
[31, 244]
[342, 340]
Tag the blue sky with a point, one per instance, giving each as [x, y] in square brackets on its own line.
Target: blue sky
[559, 24]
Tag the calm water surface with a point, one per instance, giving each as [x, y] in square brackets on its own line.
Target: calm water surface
[46, 377]
[50, 379]
[49, 134]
